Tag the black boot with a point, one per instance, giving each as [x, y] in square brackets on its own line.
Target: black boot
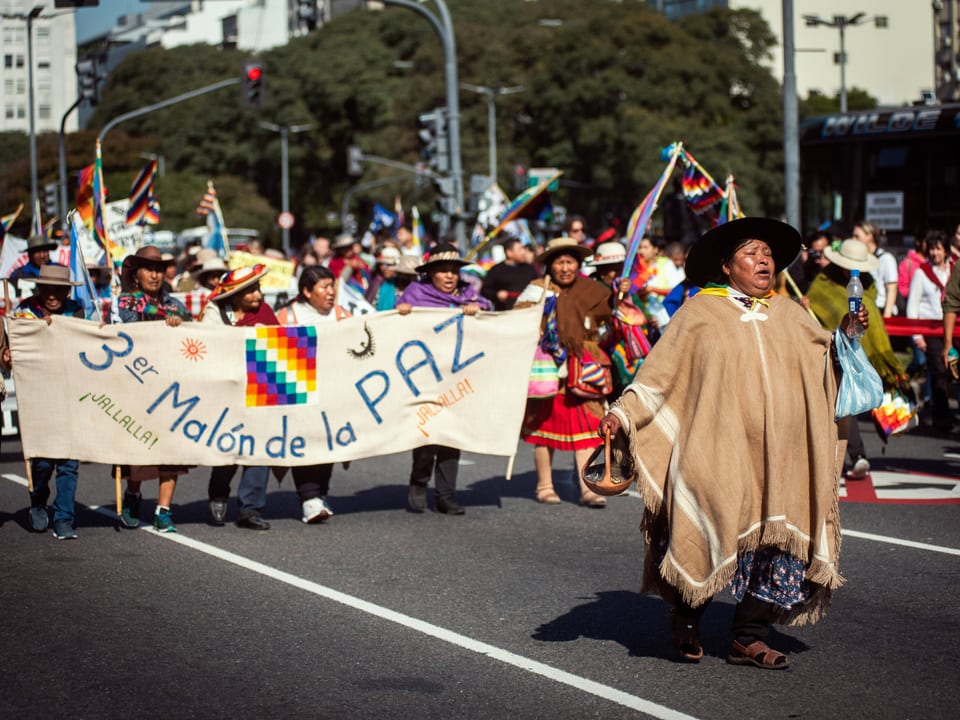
[448, 506]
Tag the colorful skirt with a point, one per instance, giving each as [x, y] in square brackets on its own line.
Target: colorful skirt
[562, 422]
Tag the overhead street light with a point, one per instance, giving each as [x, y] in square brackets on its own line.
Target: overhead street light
[491, 93]
[841, 23]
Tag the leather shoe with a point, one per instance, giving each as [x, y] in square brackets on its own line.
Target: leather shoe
[253, 522]
[417, 499]
[448, 506]
[218, 512]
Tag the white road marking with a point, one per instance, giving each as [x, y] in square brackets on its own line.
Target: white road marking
[537, 668]
[898, 541]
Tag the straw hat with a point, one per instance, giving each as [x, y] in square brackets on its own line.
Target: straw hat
[407, 265]
[443, 253]
[852, 255]
[563, 246]
[608, 253]
[712, 248]
[56, 275]
[389, 256]
[238, 280]
[210, 266]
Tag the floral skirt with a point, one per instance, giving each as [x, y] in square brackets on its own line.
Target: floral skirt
[562, 422]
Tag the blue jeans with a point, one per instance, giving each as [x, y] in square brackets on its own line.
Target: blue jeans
[67, 471]
[252, 491]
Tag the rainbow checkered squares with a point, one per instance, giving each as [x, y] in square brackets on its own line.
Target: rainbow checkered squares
[282, 366]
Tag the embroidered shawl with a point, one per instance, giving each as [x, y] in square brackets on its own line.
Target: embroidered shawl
[730, 429]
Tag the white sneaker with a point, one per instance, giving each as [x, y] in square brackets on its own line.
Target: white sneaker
[861, 468]
[316, 510]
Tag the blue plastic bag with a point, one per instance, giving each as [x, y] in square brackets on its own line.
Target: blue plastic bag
[861, 389]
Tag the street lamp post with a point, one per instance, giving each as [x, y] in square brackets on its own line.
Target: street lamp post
[491, 93]
[285, 170]
[29, 18]
[841, 23]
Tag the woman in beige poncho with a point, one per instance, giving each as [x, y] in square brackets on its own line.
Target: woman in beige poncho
[729, 427]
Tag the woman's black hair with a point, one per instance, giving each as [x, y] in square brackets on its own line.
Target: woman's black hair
[311, 275]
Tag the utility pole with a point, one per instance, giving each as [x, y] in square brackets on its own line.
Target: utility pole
[285, 171]
[841, 23]
[791, 141]
[443, 26]
[491, 93]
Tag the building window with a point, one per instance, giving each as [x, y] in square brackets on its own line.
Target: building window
[43, 64]
[21, 112]
[8, 86]
[21, 86]
[9, 113]
[43, 112]
[19, 61]
[43, 34]
[8, 61]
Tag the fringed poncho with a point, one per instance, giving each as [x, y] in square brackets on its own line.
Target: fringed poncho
[730, 423]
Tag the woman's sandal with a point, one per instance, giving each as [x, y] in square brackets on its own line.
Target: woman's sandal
[686, 638]
[591, 499]
[547, 496]
[758, 654]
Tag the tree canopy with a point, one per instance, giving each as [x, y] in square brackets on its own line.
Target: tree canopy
[606, 86]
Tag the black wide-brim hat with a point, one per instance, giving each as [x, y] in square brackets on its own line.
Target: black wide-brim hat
[708, 253]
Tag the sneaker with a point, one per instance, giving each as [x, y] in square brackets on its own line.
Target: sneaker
[861, 468]
[39, 519]
[316, 510]
[63, 530]
[163, 521]
[218, 512]
[130, 514]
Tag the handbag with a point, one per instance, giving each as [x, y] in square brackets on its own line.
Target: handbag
[589, 374]
[544, 377]
[861, 389]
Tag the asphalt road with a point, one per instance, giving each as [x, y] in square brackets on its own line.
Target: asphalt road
[514, 610]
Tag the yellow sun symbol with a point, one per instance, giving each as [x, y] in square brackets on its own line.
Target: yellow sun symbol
[193, 349]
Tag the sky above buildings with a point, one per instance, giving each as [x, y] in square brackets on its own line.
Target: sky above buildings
[93, 21]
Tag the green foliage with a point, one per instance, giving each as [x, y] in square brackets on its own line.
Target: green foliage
[816, 103]
[604, 92]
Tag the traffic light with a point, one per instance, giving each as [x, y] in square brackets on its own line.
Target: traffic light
[252, 84]
[354, 161]
[446, 202]
[434, 144]
[88, 77]
[51, 203]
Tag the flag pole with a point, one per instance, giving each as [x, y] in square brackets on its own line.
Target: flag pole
[118, 489]
[218, 211]
[796, 291]
[655, 200]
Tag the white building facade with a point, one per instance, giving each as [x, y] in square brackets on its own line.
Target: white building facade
[54, 55]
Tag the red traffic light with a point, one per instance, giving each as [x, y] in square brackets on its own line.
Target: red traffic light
[254, 72]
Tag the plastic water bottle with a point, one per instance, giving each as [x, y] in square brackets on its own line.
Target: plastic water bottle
[854, 302]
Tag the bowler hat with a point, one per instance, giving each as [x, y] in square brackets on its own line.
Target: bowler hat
[714, 247]
[39, 242]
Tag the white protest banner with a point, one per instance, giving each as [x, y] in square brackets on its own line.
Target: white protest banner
[352, 300]
[198, 394]
[128, 237]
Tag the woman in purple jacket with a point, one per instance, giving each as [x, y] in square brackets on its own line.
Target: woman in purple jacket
[439, 285]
